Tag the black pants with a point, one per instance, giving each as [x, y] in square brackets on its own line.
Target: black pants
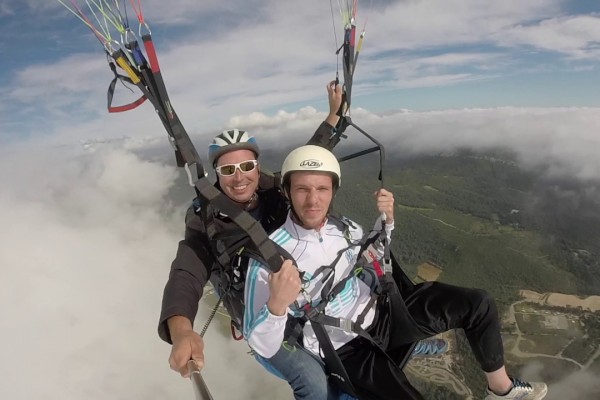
[429, 309]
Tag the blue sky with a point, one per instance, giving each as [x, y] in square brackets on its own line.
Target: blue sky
[223, 59]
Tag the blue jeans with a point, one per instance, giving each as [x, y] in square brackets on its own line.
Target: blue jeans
[304, 372]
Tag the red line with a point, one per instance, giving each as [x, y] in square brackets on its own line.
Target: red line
[138, 10]
[100, 37]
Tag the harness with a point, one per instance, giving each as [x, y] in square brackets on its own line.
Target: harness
[379, 275]
[232, 248]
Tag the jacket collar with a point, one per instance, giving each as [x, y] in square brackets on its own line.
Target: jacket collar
[300, 233]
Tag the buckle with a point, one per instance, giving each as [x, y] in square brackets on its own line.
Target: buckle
[346, 324]
[387, 266]
[311, 313]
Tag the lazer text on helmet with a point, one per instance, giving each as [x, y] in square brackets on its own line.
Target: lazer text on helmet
[311, 164]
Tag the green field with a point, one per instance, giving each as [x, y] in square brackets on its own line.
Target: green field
[580, 350]
[471, 216]
[544, 344]
[548, 324]
[526, 308]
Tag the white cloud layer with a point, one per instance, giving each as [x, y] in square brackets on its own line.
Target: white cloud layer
[577, 386]
[85, 249]
[575, 36]
[563, 142]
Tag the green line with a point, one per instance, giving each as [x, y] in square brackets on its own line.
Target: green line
[96, 32]
[107, 17]
[104, 28]
[117, 14]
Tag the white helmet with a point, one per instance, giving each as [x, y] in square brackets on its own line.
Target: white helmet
[311, 158]
[231, 140]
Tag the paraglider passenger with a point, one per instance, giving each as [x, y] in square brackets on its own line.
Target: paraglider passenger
[365, 334]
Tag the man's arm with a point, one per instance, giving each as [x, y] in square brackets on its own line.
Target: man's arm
[335, 95]
[189, 274]
[325, 131]
[385, 206]
[267, 297]
[187, 345]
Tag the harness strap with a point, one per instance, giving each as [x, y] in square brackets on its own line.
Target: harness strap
[295, 332]
[111, 90]
[361, 317]
[331, 293]
[245, 221]
[359, 266]
[337, 372]
[329, 276]
[185, 152]
[345, 324]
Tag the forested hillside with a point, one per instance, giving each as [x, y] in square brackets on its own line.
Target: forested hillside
[484, 221]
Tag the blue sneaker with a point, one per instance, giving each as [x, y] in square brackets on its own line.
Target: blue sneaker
[430, 347]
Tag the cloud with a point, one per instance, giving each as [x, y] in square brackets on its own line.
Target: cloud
[190, 11]
[578, 386]
[58, 94]
[85, 249]
[216, 67]
[575, 36]
[204, 89]
[12, 5]
[562, 142]
[6, 9]
[458, 59]
[418, 25]
[282, 120]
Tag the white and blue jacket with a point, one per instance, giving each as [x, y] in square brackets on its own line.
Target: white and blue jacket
[310, 249]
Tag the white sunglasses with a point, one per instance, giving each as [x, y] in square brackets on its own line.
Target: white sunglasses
[244, 167]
